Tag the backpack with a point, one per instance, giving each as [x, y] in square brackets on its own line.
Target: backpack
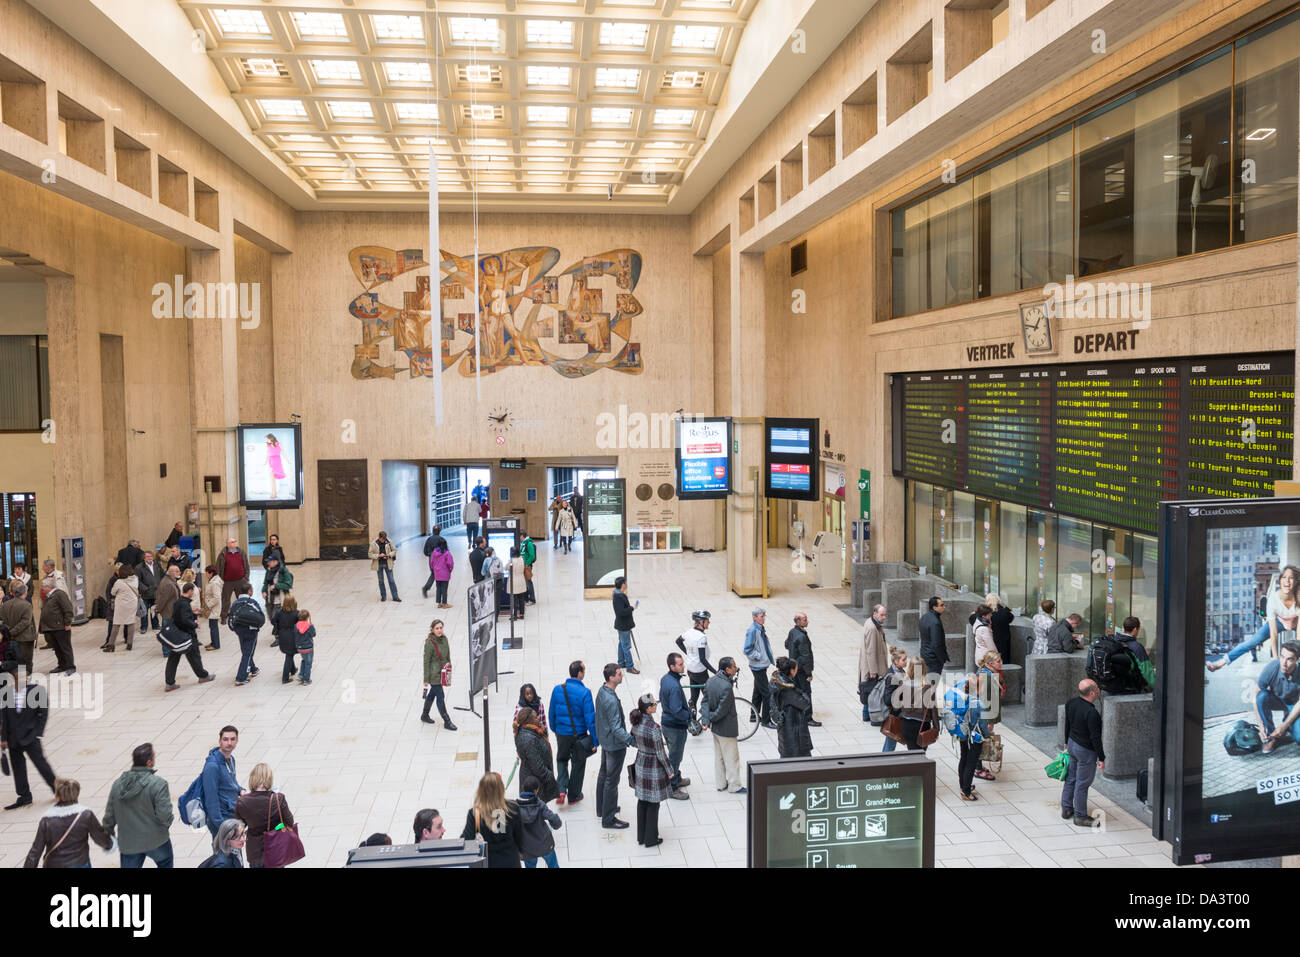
[246, 614]
[1242, 739]
[961, 715]
[190, 804]
[99, 608]
[1099, 668]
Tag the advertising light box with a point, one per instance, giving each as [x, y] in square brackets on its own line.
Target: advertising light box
[867, 810]
[703, 456]
[790, 459]
[270, 464]
[1228, 685]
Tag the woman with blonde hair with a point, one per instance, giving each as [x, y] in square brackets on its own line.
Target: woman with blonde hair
[496, 821]
[989, 683]
[196, 599]
[1000, 624]
[911, 698]
[897, 666]
[263, 809]
[63, 835]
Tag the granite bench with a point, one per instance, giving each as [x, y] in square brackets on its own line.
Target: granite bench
[1128, 732]
[1049, 681]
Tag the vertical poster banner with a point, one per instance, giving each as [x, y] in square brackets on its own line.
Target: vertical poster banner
[604, 550]
[480, 598]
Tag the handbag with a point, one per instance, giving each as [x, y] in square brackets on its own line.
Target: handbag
[992, 750]
[583, 741]
[445, 675]
[280, 847]
[1059, 767]
[631, 775]
[928, 735]
[893, 728]
[528, 572]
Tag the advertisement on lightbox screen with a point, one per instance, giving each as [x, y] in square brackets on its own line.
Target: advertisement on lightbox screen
[1227, 681]
[703, 458]
[270, 465]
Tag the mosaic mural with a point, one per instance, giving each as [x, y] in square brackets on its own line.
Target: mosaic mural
[578, 321]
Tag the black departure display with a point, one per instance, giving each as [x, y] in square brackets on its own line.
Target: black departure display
[1239, 426]
[1009, 435]
[1106, 442]
[934, 408]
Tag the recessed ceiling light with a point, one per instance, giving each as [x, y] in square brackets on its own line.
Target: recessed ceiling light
[407, 71]
[320, 26]
[1263, 133]
[483, 113]
[395, 27]
[242, 23]
[686, 79]
[664, 145]
[262, 66]
[623, 34]
[478, 73]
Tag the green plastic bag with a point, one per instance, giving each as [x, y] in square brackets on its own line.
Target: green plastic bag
[1060, 767]
[1148, 673]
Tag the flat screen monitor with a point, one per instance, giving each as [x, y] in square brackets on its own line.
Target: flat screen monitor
[270, 465]
[703, 457]
[790, 457]
[1227, 680]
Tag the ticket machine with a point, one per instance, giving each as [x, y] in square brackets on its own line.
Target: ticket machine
[828, 560]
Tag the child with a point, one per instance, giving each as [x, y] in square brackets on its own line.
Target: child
[306, 645]
[537, 839]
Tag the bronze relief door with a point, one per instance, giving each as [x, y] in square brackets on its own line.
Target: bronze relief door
[343, 502]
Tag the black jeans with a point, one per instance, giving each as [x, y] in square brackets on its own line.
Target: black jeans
[697, 683]
[18, 755]
[970, 759]
[471, 530]
[436, 694]
[911, 728]
[192, 655]
[62, 642]
[611, 769]
[428, 583]
[762, 696]
[570, 766]
[440, 592]
[803, 683]
[517, 605]
[289, 670]
[647, 823]
[933, 666]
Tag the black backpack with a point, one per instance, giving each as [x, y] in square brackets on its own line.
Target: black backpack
[1100, 668]
[99, 608]
[246, 614]
[1242, 739]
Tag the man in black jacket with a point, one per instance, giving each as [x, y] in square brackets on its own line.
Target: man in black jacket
[22, 724]
[623, 624]
[1083, 742]
[476, 558]
[433, 541]
[130, 554]
[934, 643]
[183, 620]
[150, 572]
[56, 626]
[799, 647]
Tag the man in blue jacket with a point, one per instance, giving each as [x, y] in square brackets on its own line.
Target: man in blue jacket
[758, 650]
[221, 788]
[674, 720]
[572, 714]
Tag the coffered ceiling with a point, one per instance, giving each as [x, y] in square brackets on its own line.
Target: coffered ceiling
[556, 99]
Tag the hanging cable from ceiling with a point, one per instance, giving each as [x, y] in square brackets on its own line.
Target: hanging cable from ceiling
[435, 239]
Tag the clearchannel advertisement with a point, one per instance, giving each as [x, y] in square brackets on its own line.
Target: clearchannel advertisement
[877, 822]
[703, 452]
[1251, 718]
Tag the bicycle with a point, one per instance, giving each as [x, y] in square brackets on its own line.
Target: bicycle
[746, 716]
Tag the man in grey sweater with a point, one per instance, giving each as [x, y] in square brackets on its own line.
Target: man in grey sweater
[719, 716]
[612, 733]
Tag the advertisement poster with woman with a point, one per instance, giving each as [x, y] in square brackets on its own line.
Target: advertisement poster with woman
[270, 465]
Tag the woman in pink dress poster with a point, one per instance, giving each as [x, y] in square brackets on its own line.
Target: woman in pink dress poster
[274, 463]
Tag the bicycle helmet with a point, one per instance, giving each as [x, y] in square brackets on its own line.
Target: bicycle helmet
[700, 616]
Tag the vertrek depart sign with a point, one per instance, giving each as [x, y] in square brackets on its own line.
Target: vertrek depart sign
[703, 456]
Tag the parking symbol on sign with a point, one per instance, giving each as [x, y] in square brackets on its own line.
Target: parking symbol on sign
[819, 858]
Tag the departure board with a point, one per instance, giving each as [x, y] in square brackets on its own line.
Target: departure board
[1105, 442]
[1009, 435]
[934, 410]
[1239, 426]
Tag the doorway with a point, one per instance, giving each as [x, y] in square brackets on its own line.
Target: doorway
[18, 533]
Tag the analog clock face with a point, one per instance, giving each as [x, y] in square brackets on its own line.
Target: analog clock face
[499, 420]
[1037, 328]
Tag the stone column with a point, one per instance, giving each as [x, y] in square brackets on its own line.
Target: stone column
[746, 524]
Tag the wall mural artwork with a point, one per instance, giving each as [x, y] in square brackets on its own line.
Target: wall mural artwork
[578, 321]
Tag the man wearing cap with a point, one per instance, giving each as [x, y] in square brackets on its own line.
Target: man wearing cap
[758, 650]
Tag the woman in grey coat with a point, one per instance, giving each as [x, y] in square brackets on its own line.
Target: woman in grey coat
[652, 771]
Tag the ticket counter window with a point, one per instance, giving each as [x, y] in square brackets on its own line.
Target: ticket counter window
[1074, 575]
[963, 539]
[1040, 557]
[1013, 541]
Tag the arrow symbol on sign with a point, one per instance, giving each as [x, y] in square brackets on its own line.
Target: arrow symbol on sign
[787, 802]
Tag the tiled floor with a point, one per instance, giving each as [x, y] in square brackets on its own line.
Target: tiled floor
[353, 758]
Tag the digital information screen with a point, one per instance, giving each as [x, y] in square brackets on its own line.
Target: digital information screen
[934, 416]
[1116, 442]
[270, 465]
[790, 454]
[604, 548]
[856, 811]
[1009, 435]
[1239, 426]
[1220, 796]
[1106, 442]
[703, 458]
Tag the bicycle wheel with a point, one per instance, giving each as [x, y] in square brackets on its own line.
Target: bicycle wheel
[746, 718]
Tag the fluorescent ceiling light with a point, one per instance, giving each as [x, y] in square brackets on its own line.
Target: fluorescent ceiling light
[393, 27]
[483, 113]
[302, 138]
[481, 141]
[664, 145]
[363, 139]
